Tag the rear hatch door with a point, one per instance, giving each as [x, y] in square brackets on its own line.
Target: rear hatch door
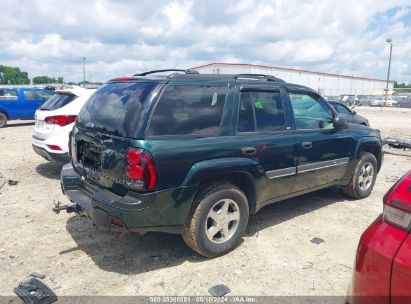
[42, 130]
[103, 129]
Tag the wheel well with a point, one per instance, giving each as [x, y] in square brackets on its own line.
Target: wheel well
[241, 180]
[5, 113]
[376, 151]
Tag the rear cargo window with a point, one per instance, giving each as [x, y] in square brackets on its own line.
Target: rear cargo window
[115, 108]
[188, 110]
[58, 101]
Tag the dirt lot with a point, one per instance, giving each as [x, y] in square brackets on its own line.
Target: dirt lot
[276, 257]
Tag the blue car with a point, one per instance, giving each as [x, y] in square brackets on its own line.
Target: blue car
[20, 103]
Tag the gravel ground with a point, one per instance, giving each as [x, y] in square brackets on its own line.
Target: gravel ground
[276, 257]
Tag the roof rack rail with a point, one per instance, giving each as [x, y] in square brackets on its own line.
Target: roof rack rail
[188, 71]
[260, 76]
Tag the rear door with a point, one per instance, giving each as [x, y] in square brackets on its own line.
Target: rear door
[323, 152]
[29, 102]
[264, 132]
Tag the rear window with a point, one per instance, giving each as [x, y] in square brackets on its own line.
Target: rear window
[58, 101]
[115, 108]
[188, 110]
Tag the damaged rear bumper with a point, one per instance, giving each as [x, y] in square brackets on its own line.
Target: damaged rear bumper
[164, 211]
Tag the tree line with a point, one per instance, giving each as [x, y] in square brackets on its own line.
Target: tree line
[402, 85]
[13, 75]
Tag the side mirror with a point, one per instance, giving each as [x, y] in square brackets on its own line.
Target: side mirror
[354, 113]
[340, 123]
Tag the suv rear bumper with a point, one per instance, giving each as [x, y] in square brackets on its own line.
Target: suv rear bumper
[164, 211]
[50, 156]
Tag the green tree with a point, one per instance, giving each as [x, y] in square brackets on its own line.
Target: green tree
[13, 75]
[41, 80]
[46, 80]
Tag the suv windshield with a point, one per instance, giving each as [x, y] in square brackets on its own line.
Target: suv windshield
[58, 101]
[115, 108]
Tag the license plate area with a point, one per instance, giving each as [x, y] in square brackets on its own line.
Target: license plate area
[89, 156]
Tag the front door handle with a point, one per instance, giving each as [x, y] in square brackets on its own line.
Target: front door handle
[248, 151]
[307, 144]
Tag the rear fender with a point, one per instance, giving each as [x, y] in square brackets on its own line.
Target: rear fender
[206, 169]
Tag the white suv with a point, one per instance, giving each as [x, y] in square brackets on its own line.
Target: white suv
[54, 121]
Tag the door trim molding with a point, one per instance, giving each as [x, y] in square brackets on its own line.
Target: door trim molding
[281, 172]
[323, 165]
[306, 168]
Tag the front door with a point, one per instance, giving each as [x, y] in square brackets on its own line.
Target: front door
[323, 152]
[262, 134]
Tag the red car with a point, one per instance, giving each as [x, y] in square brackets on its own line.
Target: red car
[382, 271]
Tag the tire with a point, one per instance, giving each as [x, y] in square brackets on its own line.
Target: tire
[208, 212]
[3, 119]
[363, 180]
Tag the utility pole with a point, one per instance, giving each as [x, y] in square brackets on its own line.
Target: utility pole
[84, 72]
[389, 40]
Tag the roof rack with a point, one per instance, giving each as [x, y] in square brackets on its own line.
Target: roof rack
[259, 76]
[188, 71]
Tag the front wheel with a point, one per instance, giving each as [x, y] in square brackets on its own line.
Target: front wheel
[218, 220]
[363, 180]
[3, 119]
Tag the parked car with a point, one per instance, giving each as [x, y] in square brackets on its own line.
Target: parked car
[382, 272]
[350, 116]
[404, 102]
[20, 103]
[365, 100]
[54, 121]
[196, 154]
[391, 103]
[379, 102]
[349, 100]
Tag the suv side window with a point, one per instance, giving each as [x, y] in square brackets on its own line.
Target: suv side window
[8, 94]
[310, 112]
[188, 110]
[260, 111]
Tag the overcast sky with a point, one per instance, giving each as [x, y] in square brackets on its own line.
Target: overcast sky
[125, 37]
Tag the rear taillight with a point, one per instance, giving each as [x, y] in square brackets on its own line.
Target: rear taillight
[61, 120]
[55, 147]
[141, 171]
[397, 203]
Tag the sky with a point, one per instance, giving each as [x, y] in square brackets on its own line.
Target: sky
[126, 37]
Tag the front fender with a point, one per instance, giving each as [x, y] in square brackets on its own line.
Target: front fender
[212, 167]
[367, 144]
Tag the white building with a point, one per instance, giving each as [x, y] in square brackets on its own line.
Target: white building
[327, 84]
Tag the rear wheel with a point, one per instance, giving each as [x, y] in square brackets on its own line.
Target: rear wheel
[218, 220]
[3, 119]
[363, 179]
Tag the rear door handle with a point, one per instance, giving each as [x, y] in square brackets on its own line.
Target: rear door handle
[307, 144]
[248, 151]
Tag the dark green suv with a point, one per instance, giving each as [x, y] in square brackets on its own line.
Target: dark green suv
[196, 154]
